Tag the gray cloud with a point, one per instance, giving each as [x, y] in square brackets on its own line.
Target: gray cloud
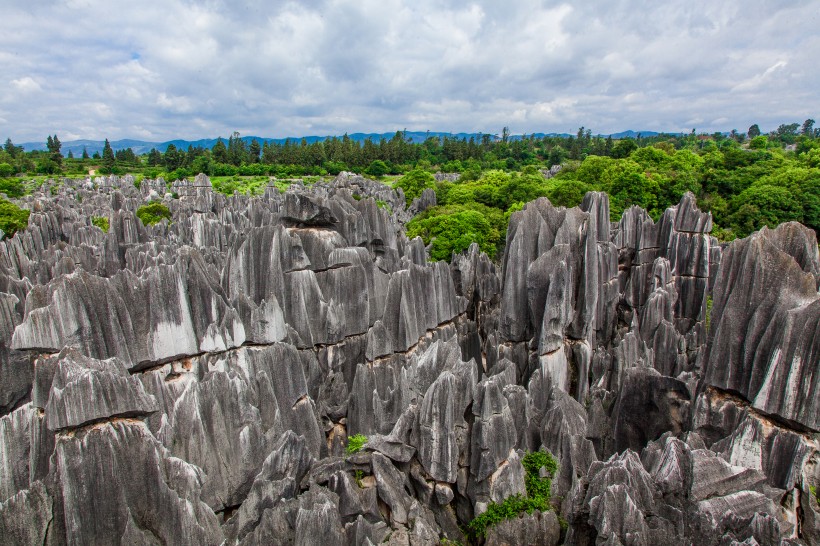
[168, 69]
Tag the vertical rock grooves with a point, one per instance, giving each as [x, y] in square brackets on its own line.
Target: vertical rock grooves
[196, 382]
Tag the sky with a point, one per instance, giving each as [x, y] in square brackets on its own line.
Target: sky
[163, 69]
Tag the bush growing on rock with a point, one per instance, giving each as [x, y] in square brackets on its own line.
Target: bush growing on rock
[101, 222]
[153, 213]
[12, 217]
[537, 498]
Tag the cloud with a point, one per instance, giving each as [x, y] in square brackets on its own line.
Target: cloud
[26, 84]
[177, 69]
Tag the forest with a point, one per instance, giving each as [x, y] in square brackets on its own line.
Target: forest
[746, 180]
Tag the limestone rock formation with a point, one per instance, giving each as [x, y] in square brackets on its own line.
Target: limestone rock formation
[199, 381]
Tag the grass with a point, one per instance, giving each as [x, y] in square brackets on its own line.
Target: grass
[355, 443]
[537, 497]
[815, 493]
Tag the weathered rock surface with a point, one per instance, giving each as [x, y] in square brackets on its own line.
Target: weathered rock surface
[196, 381]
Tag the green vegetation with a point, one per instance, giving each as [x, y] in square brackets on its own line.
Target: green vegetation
[746, 181]
[452, 228]
[537, 498]
[384, 205]
[377, 169]
[249, 185]
[153, 213]
[358, 475]
[12, 187]
[12, 218]
[708, 320]
[102, 223]
[815, 493]
[355, 443]
[414, 183]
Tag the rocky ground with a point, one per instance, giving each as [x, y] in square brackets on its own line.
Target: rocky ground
[196, 382]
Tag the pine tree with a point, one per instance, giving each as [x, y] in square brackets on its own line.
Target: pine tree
[108, 158]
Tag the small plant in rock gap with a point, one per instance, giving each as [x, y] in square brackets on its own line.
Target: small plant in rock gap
[537, 497]
[101, 222]
[355, 443]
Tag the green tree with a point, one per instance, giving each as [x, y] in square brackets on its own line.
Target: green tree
[12, 218]
[220, 152]
[173, 158]
[254, 151]
[627, 185]
[453, 229]
[754, 131]
[760, 142]
[108, 158]
[763, 205]
[377, 168]
[10, 148]
[567, 193]
[85, 154]
[53, 144]
[624, 147]
[154, 158]
[414, 183]
[557, 156]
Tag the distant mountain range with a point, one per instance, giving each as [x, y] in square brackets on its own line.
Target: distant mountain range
[142, 146]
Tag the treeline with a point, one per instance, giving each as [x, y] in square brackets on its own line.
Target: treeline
[745, 186]
[747, 180]
[388, 156]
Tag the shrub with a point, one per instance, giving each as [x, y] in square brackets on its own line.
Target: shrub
[355, 443]
[153, 213]
[377, 168]
[453, 228]
[414, 183]
[12, 218]
[537, 498]
[101, 222]
[13, 187]
[759, 142]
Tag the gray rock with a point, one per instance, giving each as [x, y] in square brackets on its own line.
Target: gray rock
[121, 474]
[25, 517]
[318, 522]
[762, 351]
[85, 390]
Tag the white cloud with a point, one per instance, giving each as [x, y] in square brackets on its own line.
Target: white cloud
[26, 84]
[175, 69]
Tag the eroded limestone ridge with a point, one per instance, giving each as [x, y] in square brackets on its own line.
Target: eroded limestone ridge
[196, 382]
